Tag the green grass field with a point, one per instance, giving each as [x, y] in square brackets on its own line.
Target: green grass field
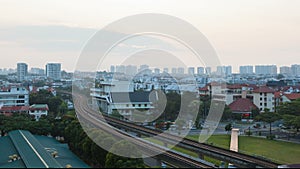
[278, 151]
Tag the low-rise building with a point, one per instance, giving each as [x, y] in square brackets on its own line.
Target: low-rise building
[14, 96]
[38, 110]
[244, 107]
[119, 96]
[264, 98]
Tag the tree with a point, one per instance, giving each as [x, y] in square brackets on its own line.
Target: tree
[268, 117]
[228, 127]
[291, 108]
[124, 148]
[291, 113]
[227, 114]
[296, 123]
[280, 76]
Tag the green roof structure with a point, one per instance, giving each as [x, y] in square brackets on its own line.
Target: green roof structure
[21, 149]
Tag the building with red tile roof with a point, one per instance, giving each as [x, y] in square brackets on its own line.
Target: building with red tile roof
[242, 105]
[14, 109]
[292, 96]
[263, 89]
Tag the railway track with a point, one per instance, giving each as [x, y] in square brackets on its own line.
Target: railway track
[241, 160]
[84, 114]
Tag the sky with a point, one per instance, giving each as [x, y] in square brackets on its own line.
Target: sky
[247, 32]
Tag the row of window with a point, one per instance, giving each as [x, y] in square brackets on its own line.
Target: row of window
[137, 105]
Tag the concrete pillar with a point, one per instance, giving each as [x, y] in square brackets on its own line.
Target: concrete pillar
[234, 143]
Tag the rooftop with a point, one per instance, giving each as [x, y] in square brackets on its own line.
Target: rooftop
[130, 97]
[35, 152]
[263, 89]
[39, 107]
[242, 105]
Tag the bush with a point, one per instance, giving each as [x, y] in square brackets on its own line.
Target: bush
[271, 137]
[248, 133]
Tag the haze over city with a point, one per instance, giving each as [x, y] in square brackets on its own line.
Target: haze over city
[150, 84]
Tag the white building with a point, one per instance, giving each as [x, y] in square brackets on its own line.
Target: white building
[174, 70]
[131, 70]
[264, 98]
[120, 69]
[296, 70]
[266, 69]
[208, 70]
[246, 70]
[14, 96]
[22, 71]
[224, 70]
[166, 70]
[191, 71]
[53, 71]
[120, 96]
[38, 110]
[143, 67]
[200, 70]
[180, 70]
[37, 71]
[156, 71]
[285, 70]
[112, 69]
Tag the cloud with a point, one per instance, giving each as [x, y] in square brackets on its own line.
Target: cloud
[46, 38]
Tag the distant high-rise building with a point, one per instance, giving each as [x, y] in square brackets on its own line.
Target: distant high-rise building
[22, 71]
[266, 69]
[174, 70]
[228, 70]
[53, 71]
[191, 71]
[208, 70]
[296, 70]
[157, 71]
[112, 69]
[37, 71]
[220, 70]
[180, 70]
[246, 70]
[131, 70]
[143, 67]
[166, 70]
[285, 70]
[120, 69]
[200, 70]
[224, 70]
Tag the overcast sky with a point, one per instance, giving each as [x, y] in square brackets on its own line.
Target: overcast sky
[242, 32]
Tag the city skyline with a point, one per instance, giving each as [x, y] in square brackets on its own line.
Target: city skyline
[134, 68]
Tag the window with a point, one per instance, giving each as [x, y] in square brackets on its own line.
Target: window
[20, 101]
[22, 97]
[133, 105]
[140, 105]
[145, 105]
[265, 104]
